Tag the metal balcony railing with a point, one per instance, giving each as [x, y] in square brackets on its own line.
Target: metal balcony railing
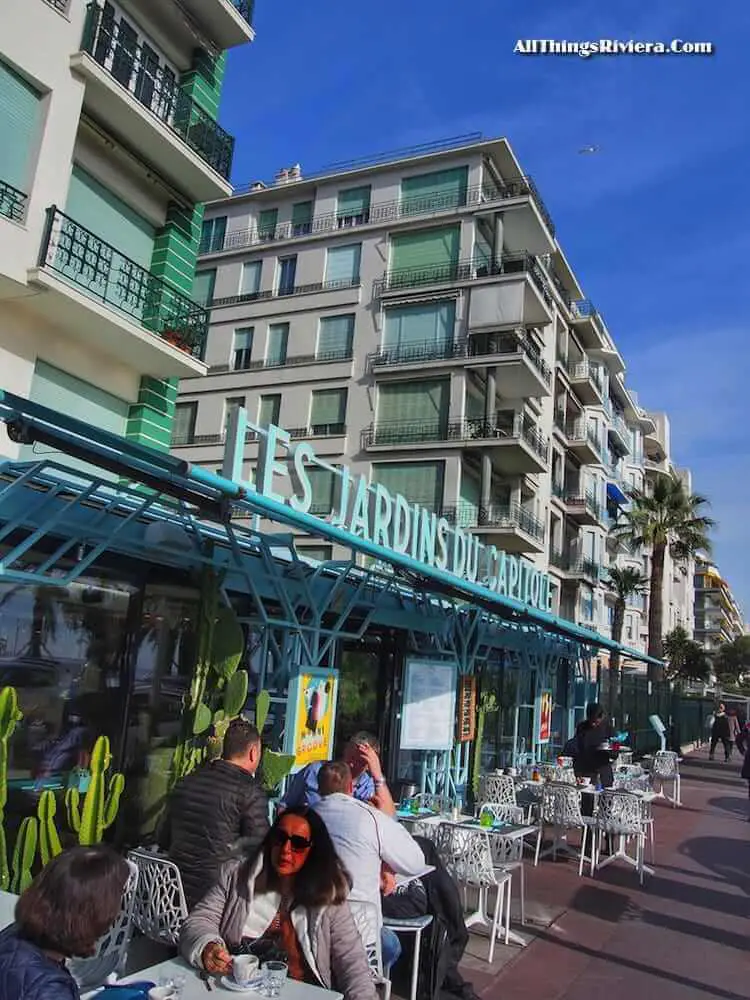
[583, 371]
[12, 202]
[570, 563]
[586, 501]
[495, 515]
[245, 8]
[284, 292]
[61, 5]
[425, 431]
[101, 272]
[136, 68]
[294, 361]
[295, 433]
[578, 433]
[473, 269]
[487, 344]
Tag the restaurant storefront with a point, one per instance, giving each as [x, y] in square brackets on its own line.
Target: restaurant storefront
[417, 634]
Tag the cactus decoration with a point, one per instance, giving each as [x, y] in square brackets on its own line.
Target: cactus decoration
[101, 802]
[487, 705]
[218, 689]
[49, 840]
[275, 766]
[10, 716]
[24, 854]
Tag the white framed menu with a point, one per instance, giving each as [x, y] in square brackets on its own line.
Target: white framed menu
[428, 712]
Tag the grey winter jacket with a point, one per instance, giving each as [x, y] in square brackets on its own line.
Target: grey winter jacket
[328, 935]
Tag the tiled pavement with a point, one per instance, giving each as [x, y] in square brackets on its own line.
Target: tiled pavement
[684, 935]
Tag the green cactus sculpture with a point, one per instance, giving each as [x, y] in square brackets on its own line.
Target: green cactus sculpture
[49, 839]
[101, 802]
[10, 716]
[24, 854]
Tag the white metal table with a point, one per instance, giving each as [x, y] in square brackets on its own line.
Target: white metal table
[197, 988]
[8, 902]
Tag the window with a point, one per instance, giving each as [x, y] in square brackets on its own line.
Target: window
[287, 275]
[320, 553]
[411, 411]
[423, 330]
[433, 248]
[342, 265]
[417, 482]
[91, 204]
[231, 405]
[269, 409]
[328, 411]
[183, 428]
[335, 337]
[203, 287]
[267, 223]
[276, 346]
[353, 208]
[243, 347]
[302, 214]
[250, 279]
[434, 192]
[322, 487]
[20, 119]
[212, 234]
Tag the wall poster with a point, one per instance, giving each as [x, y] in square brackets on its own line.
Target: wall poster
[545, 716]
[428, 711]
[312, 716]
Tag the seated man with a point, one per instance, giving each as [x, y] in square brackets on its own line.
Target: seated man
[368, 782]
[365, 838]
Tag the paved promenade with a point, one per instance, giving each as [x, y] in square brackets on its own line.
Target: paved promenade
[684, 935]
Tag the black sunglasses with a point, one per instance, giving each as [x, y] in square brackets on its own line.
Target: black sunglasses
[297, 843]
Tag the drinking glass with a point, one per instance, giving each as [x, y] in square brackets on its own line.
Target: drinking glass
[276, 973]
[485, 819]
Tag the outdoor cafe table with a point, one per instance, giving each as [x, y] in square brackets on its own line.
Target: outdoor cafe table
[197, 988]
[7, 909]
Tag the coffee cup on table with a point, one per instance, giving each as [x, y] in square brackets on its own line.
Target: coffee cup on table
[244, 967]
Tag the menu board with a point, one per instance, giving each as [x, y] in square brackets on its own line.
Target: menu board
[428, 713]
[467, 708]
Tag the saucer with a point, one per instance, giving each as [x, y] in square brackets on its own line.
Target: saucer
[251, 987]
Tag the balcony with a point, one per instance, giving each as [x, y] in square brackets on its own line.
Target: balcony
[463, 271]
[583, 442]
[618, 433]
[227, 23]
[293, 361]
[520, 446]
[512, 527]
[575, 567]
[587, 382]
[101, 296]
[12, 202]
[141, 103]
[588, 324]
[295, 434]
[284, 292]
[583, 508]
[520, 369]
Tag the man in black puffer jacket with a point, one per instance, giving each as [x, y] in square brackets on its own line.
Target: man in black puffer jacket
[216, 812]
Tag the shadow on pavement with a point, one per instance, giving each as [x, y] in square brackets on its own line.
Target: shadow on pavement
[733, 804]
[727, 858]
[595, 901]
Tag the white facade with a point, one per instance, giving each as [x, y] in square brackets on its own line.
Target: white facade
[535, 435]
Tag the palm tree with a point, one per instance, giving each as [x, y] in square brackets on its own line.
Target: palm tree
[623, 582]
[671, 519]
[43, 618]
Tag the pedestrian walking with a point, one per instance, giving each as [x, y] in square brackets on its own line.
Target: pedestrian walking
[721, 733]
[745, 772]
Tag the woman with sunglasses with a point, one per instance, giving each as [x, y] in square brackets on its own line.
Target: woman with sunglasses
[289, 898]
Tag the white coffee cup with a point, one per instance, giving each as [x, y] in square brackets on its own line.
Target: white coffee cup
[162, 993]
[244, 967]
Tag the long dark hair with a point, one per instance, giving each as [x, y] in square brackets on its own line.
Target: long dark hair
[73, 901]
[322, 880]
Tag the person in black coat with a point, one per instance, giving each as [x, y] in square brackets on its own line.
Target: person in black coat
[72, 902]
[721, 732]
[591, 759]
[216, 812]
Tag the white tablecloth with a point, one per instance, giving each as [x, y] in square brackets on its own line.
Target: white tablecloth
[195, 987]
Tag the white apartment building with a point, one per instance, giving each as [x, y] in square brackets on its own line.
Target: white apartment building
[415, 318]
[108, 146]
[718, 616]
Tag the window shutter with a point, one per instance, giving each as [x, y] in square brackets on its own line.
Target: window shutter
[302, 214]
[412, 410]
[203, 287]
[328, 408]
[322, 483]
[269, 410]
[250, 279]
[342, 264]
[109, 218]
[183, 428]
[278, 339]
[335, 337]
[20, 118]
[416, 329]
[267, 223]
[417, 482]
[433, 248]
[440, 190]
[470, 501]
[212, 236]
[353, 202]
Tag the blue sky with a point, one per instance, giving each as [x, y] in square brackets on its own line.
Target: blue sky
[656, 225]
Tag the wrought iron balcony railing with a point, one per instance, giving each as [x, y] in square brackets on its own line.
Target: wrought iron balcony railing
[136, 68]
[293, 361]
[584, 501]
[83, 260]
[583, 371]
[496, 515]
[473, 269]
[274, 293]
[426, 431]
[578, 433]
[12, 202]
[428, 204]
[570, 563]
[487, 344]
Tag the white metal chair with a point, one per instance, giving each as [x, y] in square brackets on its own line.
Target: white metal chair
[159, 908]
[369, 922]
[561, 810]
[112, 950]
[415, 926]
[502, 812]
[467, 855]
[507, 853]
[565, 775]
[497, 788]
[621, 815]
[666, 767]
